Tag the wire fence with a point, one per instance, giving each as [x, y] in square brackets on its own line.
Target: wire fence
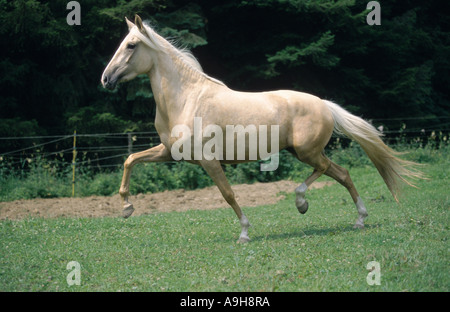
[108, 150]
[100, 150]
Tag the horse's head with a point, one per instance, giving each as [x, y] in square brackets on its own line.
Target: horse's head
[132, 58]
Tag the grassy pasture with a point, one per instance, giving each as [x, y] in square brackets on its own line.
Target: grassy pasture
[197, 250]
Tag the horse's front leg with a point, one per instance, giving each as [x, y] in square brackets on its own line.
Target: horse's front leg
[156, 154]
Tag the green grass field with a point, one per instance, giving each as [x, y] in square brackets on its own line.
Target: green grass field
[197, 250]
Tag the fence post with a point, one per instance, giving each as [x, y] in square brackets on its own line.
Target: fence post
[74, 151]
[130, 143]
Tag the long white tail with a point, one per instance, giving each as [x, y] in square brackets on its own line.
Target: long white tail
[391, 168]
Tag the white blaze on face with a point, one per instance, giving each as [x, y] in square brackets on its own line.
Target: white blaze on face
[106, 76]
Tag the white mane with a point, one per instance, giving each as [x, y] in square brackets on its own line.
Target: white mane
[157, 44]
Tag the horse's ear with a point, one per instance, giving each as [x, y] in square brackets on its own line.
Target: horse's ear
[130, 24]
[138, 22]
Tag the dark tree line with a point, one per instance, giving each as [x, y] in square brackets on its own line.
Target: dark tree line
[50, 71]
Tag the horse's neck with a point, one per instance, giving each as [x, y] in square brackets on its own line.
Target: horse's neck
[172, 82]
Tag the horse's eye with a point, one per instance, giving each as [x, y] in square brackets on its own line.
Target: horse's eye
[131, 46]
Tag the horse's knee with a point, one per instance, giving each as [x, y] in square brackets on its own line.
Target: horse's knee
[129, 162]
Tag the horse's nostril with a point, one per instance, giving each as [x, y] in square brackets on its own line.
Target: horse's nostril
[105, 79]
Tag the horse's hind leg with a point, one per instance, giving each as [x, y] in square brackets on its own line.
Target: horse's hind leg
[320, 164]
[343, 177]
[300, 192]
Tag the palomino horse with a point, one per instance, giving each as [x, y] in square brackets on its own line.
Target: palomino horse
[305, 122]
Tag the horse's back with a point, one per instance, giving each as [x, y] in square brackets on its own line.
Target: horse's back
[280, 103]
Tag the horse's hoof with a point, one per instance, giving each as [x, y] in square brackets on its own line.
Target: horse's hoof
[303, 208]
[127, 210]
[243, 240]
[358, 225]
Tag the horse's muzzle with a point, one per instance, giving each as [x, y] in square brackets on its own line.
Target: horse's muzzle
[109, 83]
